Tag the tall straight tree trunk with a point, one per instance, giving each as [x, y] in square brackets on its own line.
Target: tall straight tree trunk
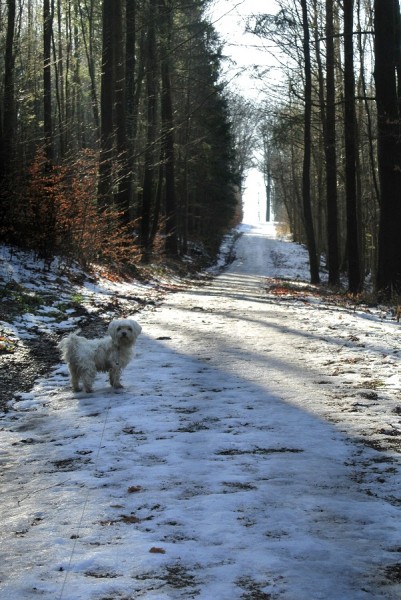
[168, 128]
[330, 152]
[8, 117]
[350, 128]
[131, 87]
[124, 180]
[168, 141]
[130, 66]
[367, 105]
[158, 201]
[149, 166]
[47, 81]
[58, 57]
[387, 36]
[89, 50]
[7, 120]
[306, 184]
[9, 93]
[106, 108]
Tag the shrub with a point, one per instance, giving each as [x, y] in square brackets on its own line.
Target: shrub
[61, 215]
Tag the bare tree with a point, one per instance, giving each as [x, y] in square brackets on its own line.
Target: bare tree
[8, 118]
[106, 104]
[350, 131]
[306, 183]
[123, 194]
[329, 134]
[166, 21]
[387, 71]
[152, 80]
[48, 10]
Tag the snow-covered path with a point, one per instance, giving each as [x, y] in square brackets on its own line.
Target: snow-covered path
[224, 471]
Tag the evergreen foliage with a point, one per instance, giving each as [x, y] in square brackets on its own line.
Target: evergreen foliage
[126, 96]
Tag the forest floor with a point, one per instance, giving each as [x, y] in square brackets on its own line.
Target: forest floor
[254, 453]
[39, 302]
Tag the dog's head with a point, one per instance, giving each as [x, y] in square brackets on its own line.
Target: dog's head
[124, 331]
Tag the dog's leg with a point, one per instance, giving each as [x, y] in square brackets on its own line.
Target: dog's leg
[88, 377]
[114, 375]
[74, 376]
[75, 385]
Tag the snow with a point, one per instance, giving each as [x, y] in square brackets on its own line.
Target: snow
[253, 453]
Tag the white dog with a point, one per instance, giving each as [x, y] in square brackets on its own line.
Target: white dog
[109, 354]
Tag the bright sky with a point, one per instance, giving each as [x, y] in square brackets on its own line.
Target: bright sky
[244, 51]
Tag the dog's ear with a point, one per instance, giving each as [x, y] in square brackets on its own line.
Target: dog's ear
[136, 327]
[112, 328]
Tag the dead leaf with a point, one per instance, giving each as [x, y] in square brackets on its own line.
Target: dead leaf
[130, 519]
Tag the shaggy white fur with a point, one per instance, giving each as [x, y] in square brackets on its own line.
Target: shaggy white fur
[109, 354]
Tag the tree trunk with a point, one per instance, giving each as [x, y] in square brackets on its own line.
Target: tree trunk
[131, 89]
[47, 82]
[7, 122]
[88, 42]
[350, 129]
[387, 30]
[367, 106]
[124, 179]
[330, 152]
[149, 166]
[130, 65]
[168, 129]
[106, 108]
[158, 202]
[306, 192]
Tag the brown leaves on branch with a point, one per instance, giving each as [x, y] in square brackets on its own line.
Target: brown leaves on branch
[61, 216]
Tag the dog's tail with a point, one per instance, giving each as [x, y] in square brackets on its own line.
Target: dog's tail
[69, 344]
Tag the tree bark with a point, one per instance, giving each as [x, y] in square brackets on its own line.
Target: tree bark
[47, 82]
[149, 165]
[330, 152]
[350, 128]
[387, 35]
[89, 51]
[131, 90]
[7, 135]
[7, 123]
[130, 66]
[106, 108]
[124, 178]
[306, 191]
[168, 128]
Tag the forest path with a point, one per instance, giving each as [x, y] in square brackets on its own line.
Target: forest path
[224, 470]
